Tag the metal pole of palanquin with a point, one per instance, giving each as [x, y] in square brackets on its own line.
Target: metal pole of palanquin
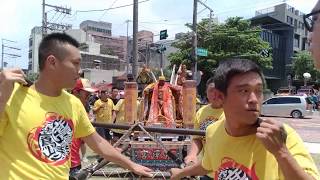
[189, 103]
[130, 103]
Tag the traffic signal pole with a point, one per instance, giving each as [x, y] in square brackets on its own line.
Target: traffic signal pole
[161, 60]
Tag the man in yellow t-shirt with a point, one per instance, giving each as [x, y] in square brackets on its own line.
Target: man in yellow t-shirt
[38, 122]
[205, 116]
[244, 146]
[119, 113]
[103, 108]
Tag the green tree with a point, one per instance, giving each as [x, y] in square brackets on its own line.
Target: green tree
[302, 62]
[235, 38]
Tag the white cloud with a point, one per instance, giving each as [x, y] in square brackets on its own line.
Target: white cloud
[8, 17]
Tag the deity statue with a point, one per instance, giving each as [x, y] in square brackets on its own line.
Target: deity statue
[162, 103]
[145, 76]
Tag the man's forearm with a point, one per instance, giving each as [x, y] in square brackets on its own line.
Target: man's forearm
[95, 109]
[107, 151]
[290, 168]
[194, 170]
[196, 146]
[5, 89]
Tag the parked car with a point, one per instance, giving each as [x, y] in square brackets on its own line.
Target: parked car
[294, 106]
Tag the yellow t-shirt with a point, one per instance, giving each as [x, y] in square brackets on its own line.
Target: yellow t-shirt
[36, 133]
[119, 107]
[103, 114]
[205, 116]
[245, 156]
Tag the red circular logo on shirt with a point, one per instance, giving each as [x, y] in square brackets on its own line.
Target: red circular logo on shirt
[51, 142]
[230, 169]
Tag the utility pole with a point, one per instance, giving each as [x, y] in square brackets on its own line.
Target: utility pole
[194, 38]
[211, 14]
[147, 54]
[128, 58]
[51, 25]
[210, 21]
[44, 18]
[3, 46]
[135, 30]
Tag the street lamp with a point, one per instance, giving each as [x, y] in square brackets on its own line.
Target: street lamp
[306, 77]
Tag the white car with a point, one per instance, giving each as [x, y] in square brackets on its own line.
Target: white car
[295, 106]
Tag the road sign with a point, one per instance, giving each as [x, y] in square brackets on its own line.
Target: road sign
[163, 34]
[202, 52]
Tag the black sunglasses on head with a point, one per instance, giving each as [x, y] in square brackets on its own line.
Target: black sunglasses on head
[309, 22]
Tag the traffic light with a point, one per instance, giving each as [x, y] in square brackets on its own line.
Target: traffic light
[163, 34]
[161, 48]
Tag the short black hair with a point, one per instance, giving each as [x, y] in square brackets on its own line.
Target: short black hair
[115, 87]
[130, 78]
[231, 67]
[52, 44]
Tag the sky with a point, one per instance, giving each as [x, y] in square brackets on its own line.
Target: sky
[18, 17]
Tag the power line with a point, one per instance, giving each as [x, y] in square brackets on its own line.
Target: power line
[160, 23]
[98, 10]
[107, 11]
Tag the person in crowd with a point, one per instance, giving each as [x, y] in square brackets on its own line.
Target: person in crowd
[82, 90]
[37, 123]
[244, 146]
[204, 117]
[103, 109]
[115, 96]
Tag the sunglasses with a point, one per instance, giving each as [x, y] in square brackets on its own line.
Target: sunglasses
[309, 20]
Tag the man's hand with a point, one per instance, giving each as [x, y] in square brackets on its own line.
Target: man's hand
[142, 170]
[273, 136]
[175, 174]
[190, 160]
[12, 75]
[103, 105]
[7, 78]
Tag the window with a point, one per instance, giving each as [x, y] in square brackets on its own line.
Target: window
[273, 101]
[296, 41]
[289, 100]
[30, 42]
[284, 100]
[289, 20]
[30, 54]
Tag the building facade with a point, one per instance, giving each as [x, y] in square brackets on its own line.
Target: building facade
[34, 41]
[97, 28]
[101, 32]
[293, 17]
[90, 52]
[284, 29]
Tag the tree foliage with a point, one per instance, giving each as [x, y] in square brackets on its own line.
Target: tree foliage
[235, 38]
[302, 63]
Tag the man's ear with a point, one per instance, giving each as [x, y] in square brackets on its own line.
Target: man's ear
[51, 62]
